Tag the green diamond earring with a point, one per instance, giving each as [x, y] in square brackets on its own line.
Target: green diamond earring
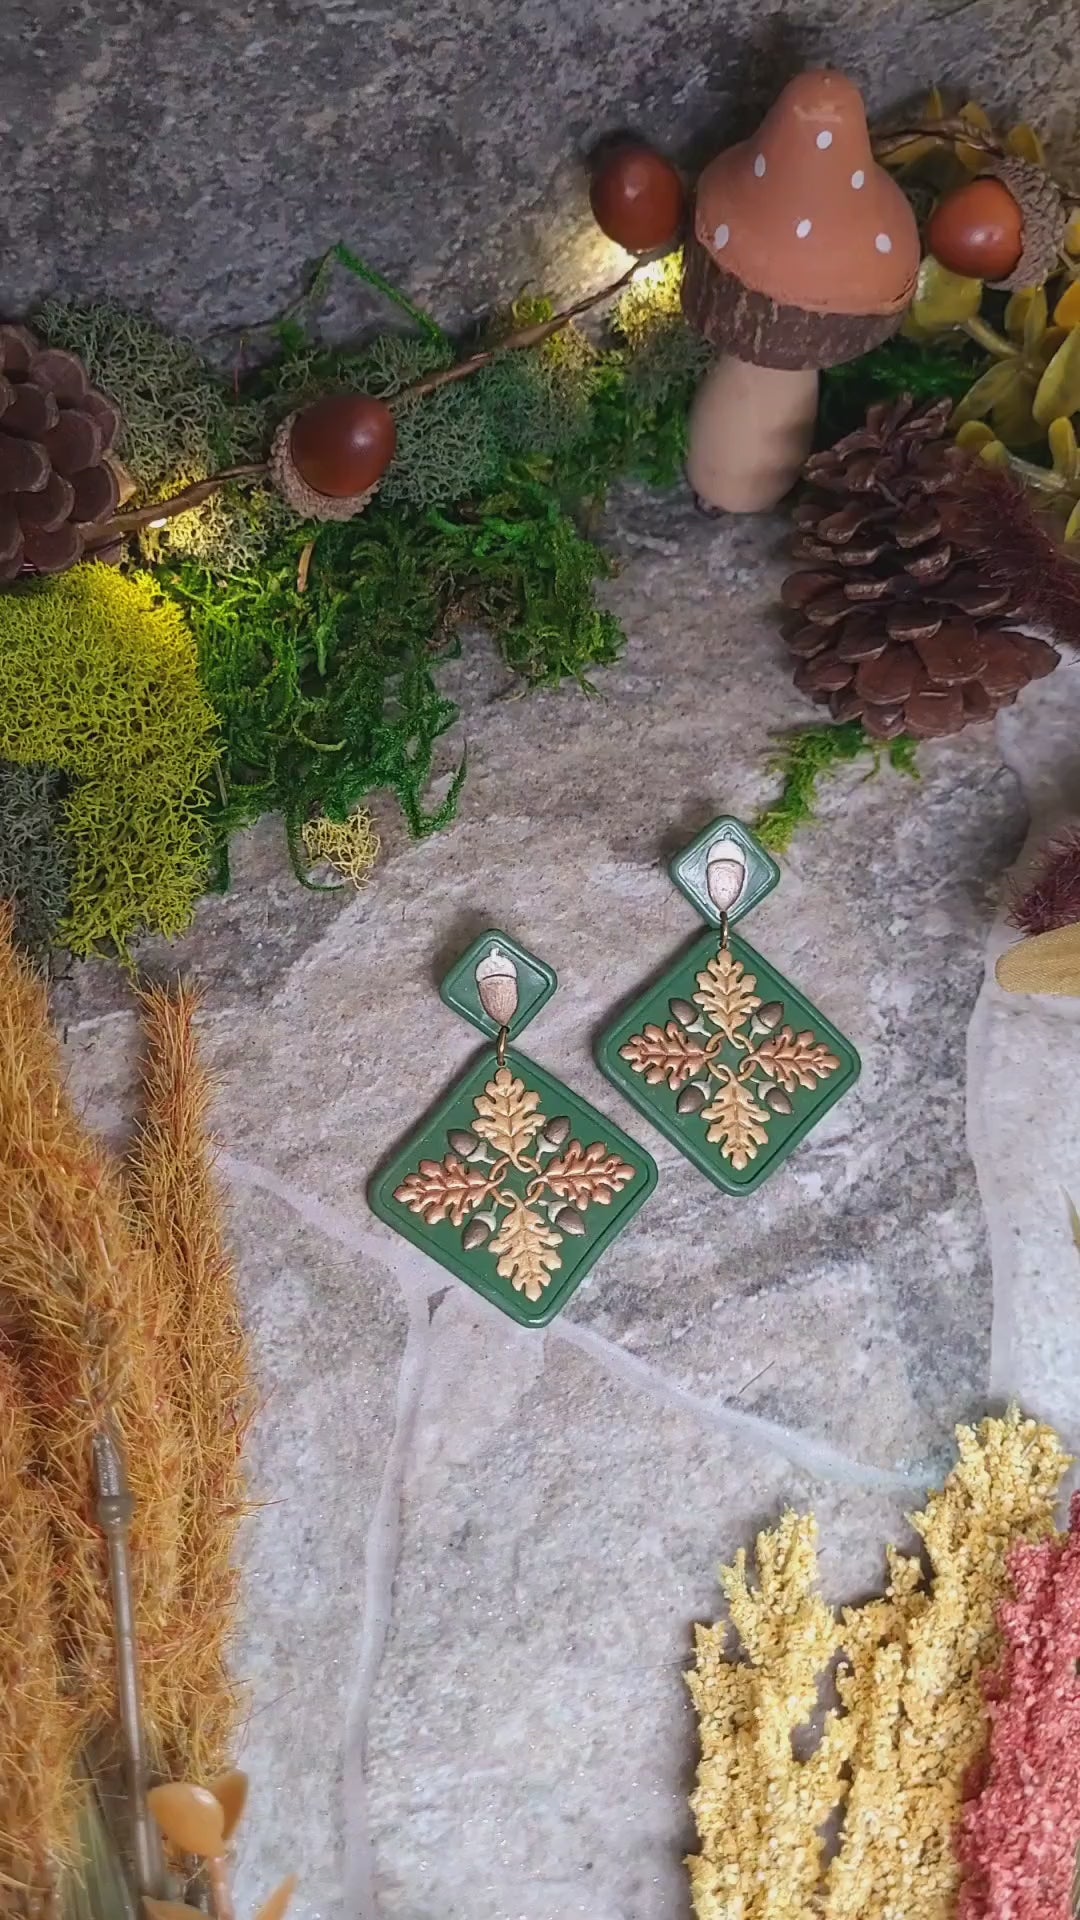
[723, 1054]
[513, 1183]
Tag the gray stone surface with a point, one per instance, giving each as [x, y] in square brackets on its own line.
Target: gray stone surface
[194, 159]
[473, 1582]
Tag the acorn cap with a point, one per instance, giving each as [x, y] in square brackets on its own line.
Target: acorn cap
[804, 251]
[294, 489]
[1042, 210]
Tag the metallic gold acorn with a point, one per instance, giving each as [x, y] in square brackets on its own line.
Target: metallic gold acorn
[497, 985]
[725, 874]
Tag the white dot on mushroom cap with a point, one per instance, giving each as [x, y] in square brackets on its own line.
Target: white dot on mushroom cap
[722, 236]
[883, 243]
[824, 139]
[858, 178]
[803, 229]
[759, 165]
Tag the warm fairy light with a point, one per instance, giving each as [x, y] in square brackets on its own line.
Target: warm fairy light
[163, 522]
[652, 273]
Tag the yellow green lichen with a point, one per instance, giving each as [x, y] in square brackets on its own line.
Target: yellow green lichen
[98, 681]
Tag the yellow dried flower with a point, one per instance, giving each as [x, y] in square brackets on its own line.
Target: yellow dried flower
[350, 846]
[912, 1719]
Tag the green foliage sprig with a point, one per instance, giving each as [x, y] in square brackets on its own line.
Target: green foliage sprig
[805, 759]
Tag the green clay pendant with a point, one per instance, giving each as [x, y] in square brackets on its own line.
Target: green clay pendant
[723, 1054]
[514, 1184]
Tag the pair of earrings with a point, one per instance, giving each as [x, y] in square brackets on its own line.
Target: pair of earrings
[517, 1186]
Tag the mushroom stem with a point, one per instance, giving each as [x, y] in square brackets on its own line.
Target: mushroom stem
[750, 431]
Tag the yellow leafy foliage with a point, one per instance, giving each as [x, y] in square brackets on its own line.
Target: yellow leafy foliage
[892, 1758]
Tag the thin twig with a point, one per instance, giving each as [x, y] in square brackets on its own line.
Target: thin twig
[954, 132]
[304, 567]
[514, 342]
[193, 496]
[202, 490]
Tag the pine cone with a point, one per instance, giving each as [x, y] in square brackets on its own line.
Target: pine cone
[894, 625]
[56, 480]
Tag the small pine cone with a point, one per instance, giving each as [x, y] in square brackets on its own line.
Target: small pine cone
[57, 478]
[889, 624]
[1042, 211]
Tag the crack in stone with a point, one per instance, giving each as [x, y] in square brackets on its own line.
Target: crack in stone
[382, 1548]
[815, 1457]
[811, 1456]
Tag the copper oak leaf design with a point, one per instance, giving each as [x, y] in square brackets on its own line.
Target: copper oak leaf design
[517, 1179]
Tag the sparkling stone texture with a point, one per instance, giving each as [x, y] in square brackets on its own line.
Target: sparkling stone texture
[207, 153]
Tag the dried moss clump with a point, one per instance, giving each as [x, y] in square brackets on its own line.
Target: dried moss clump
[33, 855]
[894, 1760]
[98, 680]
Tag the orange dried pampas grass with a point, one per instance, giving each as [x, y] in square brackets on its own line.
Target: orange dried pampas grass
[37, 1726]
[83, 1307]
[193, 1705]
[116, 1300]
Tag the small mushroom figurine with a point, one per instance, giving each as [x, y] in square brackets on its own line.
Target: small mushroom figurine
[804, 253]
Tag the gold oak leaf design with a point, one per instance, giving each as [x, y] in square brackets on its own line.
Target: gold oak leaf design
[738, 1124]
[508, 1115]
[726, 994]
[795, 1059]
[664, 1053]
[442, 1190]
[587, 1175]
[527, 1250]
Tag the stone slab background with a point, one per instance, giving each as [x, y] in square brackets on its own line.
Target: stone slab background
[191, 159]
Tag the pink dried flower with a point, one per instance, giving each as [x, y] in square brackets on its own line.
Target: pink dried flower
[1052, 896]
[1018, 1838]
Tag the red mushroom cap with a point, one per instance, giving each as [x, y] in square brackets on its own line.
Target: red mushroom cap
[802, 212]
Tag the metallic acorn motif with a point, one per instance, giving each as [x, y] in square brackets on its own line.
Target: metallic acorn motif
[555, 1132]
[475, 1235]
[568, 1220]
[725, 874]
[683, 1011]
[497, 985]
[777, 1099]
[691, 1099]
[463, 1142]
[769, 1016]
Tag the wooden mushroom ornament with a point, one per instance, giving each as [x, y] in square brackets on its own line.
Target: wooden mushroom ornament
[803, 254]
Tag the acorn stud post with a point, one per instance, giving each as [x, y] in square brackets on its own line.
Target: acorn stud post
[328, 459]
[637, 197]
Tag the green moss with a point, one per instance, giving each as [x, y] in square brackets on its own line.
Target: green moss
[98, 681]
[805, 760]
[33, 855]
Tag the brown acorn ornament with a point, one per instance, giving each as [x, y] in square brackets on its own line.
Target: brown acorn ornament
[1006, 227]
[637, 197]
[328, 459]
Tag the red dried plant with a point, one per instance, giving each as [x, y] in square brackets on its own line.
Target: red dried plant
[1018, 1837]
[1051, 898]
[989, 513]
